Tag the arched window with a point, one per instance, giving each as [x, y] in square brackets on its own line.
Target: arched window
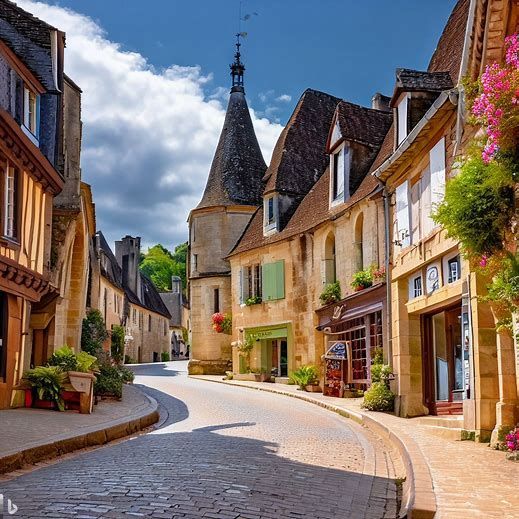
[357, 244]
[329, 265]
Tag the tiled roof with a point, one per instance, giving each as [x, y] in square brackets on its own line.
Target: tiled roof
[361, 124]
[448, 54]
[385, 150]
[110, 269]
[416, 80]
[235, 177]
[312, 212]
[151, 298]
[29, 38]
[299, 157]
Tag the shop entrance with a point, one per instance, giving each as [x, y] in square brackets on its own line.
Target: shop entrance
[444, 362]
[279, 357]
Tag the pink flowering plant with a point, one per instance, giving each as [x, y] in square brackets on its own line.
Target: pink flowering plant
[512, 440]
[496, 106]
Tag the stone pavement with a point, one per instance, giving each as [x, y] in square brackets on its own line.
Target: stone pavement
[469, 480]
[218, 454]
[31, 435]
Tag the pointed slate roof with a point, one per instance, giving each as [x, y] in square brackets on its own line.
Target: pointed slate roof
[238, 167]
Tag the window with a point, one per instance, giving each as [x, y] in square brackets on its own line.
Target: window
[329, 270]
[270, 209]
[165, 328]
[453, 269]
[195, 262]
[3, 339]
[338, 175]
[115, 302]
[402, 109]
[141, 320]
[358, 247]
[415, 287]
[149, 323]
[134, 316]
[31, 109]
[273, 280]
[10, 203]
[250, 282]
[216, 300]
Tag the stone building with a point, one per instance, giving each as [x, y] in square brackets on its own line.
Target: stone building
[232, 194]
[317, 239]
[125, 297]
[447, 356]
[31, 97]
[179, 323]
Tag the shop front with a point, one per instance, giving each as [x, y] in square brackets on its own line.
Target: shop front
[270, 353]
[355, 325]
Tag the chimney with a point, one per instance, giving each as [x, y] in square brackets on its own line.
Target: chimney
[127, 252]
[380, 102]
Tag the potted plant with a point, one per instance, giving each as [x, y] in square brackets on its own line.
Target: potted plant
[307, 378]
[261, 376]
[47, 385]
[512, 444]
[331, 293]
[222, 323]
[362, 279]
[254, 300]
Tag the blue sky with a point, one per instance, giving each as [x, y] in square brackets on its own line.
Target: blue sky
[155, 82]
[347, 48]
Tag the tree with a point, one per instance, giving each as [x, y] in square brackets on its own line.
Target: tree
[93, 333]
[159, 264]
[117, 347]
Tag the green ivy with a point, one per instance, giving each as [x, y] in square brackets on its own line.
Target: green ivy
[117, 346]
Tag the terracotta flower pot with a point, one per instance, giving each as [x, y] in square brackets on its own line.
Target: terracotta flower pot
[28, 398]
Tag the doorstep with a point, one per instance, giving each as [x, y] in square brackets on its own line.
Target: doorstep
[33, 435]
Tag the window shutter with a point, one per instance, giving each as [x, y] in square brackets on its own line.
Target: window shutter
[437, 162]
[241, 286]
[402, 214]
[268, 279]
[425, 202]
[280, 279]
[415, 212]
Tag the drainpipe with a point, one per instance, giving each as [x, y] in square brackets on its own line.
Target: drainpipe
[387, 252]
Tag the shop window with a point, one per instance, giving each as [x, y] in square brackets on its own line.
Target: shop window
[11, 203]
[273, 280]
[432, 279]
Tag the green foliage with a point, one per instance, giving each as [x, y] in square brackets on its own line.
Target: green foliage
[127, 375]
[381, 373]
[379, 398]
[478, 205]
[164, 356]
[305, 376]
[93, 333]
[64, 358]
[505, 284]
[47, 381]
[254, 300]
[109, 381]
[378, 356]
[331, 293]
[86, 362]
[159, 264]
[129, 360]
[117, 346]
[363, 279]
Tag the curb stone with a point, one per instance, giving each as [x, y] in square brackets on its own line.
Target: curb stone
[418, 499]
[89, 437]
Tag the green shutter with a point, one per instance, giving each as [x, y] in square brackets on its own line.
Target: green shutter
[273, 280]
[280, 279]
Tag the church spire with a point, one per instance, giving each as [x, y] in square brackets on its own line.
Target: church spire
[237, 68]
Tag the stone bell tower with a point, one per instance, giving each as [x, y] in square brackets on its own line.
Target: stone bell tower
[233, 192]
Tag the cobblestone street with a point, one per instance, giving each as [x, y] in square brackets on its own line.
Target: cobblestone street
[218, 454]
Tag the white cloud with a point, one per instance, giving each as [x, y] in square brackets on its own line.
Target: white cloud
[149, 135]
[284, 98]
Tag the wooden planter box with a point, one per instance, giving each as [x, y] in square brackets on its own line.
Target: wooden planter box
[44, 404]
[315, 388]
[83, 383]
[262, 377]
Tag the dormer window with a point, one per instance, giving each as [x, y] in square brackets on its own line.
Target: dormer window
[402, 110]
[271, 214]
[31, 113]
[339, 178]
